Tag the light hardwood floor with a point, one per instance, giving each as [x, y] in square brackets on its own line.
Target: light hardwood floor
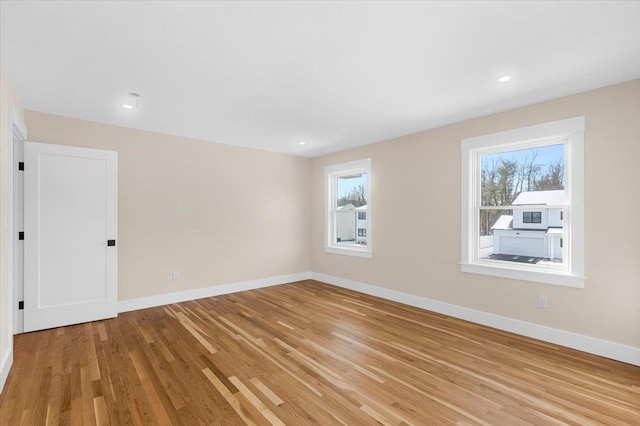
[307, 353]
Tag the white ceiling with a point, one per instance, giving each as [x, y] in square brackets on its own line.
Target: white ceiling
[334, 74]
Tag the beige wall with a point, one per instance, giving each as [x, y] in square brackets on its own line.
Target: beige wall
[416, 196]
[216, 213]
[8, 97]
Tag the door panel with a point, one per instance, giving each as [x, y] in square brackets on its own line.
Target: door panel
[70, 212]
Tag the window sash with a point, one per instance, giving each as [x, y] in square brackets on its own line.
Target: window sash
[477, 155]
[474, 240]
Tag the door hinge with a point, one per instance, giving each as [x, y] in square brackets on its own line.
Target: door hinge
[21, 304]
[21, 165]
[21, 235]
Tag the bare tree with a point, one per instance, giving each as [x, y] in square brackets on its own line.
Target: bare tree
[502, 180]
[552, 179]
[357, 196]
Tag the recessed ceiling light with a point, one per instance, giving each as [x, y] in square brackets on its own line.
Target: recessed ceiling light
[504, 78]
[302, 143]
[135, 101]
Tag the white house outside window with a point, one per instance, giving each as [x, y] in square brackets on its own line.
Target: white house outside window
[348, 225]
[523, 203]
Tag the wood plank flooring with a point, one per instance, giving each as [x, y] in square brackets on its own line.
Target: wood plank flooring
[307, 353]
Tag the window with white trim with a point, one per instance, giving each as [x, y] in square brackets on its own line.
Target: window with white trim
[347, 187]
[523, 203]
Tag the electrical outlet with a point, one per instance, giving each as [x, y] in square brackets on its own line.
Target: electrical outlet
[345, 265]
[176, 275]
[542, 301]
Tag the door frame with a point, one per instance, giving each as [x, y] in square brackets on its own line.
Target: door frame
[15, 130]
[18, 246]
[17, 134]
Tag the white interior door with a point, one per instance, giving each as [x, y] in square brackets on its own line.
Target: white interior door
[70, 230]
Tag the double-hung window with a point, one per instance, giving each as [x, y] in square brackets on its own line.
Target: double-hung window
[523, 203]
[348, 193]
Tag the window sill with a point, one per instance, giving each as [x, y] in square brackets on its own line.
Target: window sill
[349, 251]
[547, 277]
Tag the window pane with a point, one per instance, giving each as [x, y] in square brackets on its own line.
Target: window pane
[362, 225]
[351, 210]
[352, 189]
[505, 235]
[532, 217]
[527, 180]
[507, 175]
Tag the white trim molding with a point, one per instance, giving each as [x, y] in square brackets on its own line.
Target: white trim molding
[7, 362]
[592, 345]
[331, 175]
[570, 133]
[200, 293]
[17, 134]
[16, 131]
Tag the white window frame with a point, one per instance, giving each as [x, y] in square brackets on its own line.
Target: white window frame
[571, 133]
[332, 173]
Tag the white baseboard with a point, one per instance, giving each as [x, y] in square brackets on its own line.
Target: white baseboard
[199, 293]
[616, 351]
[7, 361]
